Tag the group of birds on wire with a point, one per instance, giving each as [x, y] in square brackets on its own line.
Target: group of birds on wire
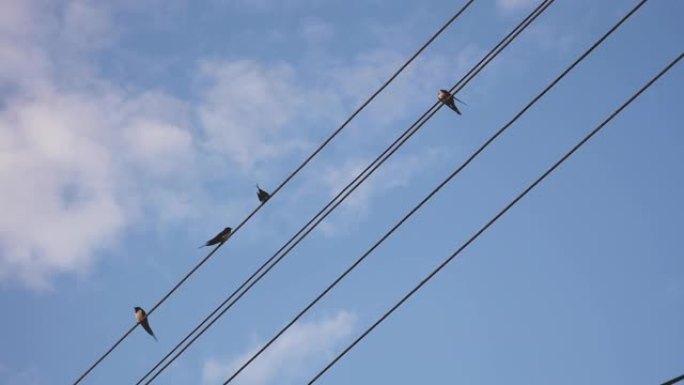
[444, 96]
[220, 238]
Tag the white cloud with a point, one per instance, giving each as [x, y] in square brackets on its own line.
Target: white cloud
[290, 358]
[316, 31]
[85, 24]
[84, 159]
[73, 154]
[80, 161]
[23, 59]
[247, 110]
[66, 160]
[159, 146]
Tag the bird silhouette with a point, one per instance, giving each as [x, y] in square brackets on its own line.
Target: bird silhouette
[448, 99]
[219, 238]
[141, 317]
[262, 195]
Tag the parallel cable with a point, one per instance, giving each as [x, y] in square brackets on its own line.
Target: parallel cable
[359, 178]
[496, 217]
[427, 198]
[674, 380]
[284, 182]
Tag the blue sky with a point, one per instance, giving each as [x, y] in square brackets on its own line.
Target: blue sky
[130, 133]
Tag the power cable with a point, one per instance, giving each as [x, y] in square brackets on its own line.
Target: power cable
[496, 217]
[429, 196]
[362, 176]
[282, 184]
[674, 380]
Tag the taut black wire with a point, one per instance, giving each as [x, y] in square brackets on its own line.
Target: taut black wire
[497, 216]
[362, 177]
[674, 380]
[284, 182]
[425, 200]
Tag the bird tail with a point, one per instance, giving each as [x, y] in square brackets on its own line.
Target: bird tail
[453, 107]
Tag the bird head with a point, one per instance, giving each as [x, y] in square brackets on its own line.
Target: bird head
[137, 309]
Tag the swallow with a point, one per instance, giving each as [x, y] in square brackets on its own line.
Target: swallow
[448, 99]
[141, 317]
[262, 195]
[219, 238]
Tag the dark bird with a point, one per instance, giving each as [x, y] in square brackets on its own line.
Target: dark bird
[219, 238]
[262, 195]
[141, 317]
[448, 99]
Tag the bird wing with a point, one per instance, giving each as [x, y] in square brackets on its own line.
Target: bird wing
[215, 240]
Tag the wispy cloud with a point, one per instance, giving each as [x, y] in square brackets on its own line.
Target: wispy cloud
[67, 166]
[73, 154]
[553, 38]
[290, 358]
[8, 376]
[84, 158]
[316, 31]
[399, 172]
[246, 108]
[514, 5]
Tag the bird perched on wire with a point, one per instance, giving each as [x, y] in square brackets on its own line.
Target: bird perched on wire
[219, 238]
[448, 99]
[141, 317]
[262, 195]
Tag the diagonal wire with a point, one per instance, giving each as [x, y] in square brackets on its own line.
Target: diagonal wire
[427, 198]
[284, 182]
[497, 216]
[674, 380]
[359, 178]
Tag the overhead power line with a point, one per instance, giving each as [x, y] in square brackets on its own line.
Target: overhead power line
[428, 197]
[496, 217]
[360, 178]
[284, 182]
[674, 380]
